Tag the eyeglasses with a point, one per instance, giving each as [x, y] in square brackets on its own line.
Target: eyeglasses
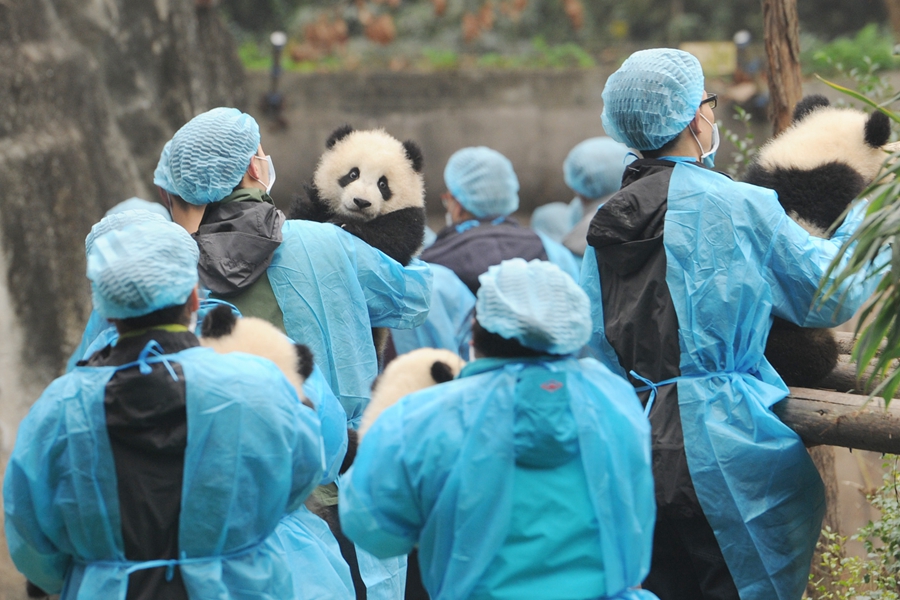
[711, 99]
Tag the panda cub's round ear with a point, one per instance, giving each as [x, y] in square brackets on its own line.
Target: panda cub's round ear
[809, 104]
[337, 135]
[441, 372]
[878, 129]
[414, 154]
[218, 322]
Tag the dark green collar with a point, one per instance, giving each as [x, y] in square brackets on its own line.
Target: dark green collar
[171, 328]
[483, 365]
[248, 195]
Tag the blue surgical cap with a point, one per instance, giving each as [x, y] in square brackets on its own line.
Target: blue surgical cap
[594, 167]
[536, 304]
[136, 203]
[119, 220]
[142, 268]
[652, 97]
[210, 154]
[483, 181]
[162, 176]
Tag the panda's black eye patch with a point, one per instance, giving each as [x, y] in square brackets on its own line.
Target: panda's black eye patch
[349, 178]
[384, 188]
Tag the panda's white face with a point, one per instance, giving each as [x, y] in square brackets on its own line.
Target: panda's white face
[367, 174]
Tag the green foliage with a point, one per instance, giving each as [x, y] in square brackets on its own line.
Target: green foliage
[440, 60]
[869, 51]
[253, 58]
[540, 56]
[560, 56]
[880, 319]
[876, 576]
[744, 144]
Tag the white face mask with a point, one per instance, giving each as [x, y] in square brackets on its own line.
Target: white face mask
[192, 326]
[708, 158]
[268, 159]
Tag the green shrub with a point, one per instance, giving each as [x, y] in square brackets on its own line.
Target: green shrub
[870, 50]
[874, 577]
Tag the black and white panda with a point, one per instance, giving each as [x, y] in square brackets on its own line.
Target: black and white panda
[224, 332]
[818, 166]
[371, 184]
[408, 373]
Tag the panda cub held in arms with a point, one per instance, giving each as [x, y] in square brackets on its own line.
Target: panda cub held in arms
[406, 374]
[818, 166]
[371, 185]
[224, 332]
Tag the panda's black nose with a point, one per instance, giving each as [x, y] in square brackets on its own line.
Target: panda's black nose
[362, 203]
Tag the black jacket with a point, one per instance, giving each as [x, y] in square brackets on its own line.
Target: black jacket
[640, 321]
[469, 251]
[146, 418]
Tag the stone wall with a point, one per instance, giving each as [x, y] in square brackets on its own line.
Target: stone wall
[534, 118]
[90, 90]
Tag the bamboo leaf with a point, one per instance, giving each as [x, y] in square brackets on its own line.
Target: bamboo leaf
[857, 96]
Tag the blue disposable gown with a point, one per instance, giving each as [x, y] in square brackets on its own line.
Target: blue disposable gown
[332, 289]
[95, 326]
[561, 256]
[332, 417]
[436, 470]
[735, 259]
[244, 420]
[449, 322]
[319, 570]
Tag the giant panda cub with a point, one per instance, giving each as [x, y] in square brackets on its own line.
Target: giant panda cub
[370, 184]
[224, 332]
[408, 373]
[818, 166]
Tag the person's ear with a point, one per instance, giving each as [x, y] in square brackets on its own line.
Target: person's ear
[194, 300]
[254, 170]
[696, 123]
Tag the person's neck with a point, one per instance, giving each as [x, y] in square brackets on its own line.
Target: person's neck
[685, 147]
[188, 216]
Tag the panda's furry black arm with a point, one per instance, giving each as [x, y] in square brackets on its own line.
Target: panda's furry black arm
[307, 206]
[818, 196]
[399, 234]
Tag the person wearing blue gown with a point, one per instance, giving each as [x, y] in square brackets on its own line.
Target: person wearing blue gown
[482, 194]
[158, 468]
[528, 476]
[593, 170]
[685, 270]
[322, 286]
[300, 534]
[449, 322]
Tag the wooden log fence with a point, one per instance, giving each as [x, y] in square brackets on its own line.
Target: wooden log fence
[842, 415]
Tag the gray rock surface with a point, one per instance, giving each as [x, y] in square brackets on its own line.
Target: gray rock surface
[90, 90]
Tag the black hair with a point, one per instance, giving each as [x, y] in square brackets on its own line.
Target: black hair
[178, 314]
[664, 149]
[496, 346]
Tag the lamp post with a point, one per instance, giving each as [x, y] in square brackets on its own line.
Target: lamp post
[273, 101]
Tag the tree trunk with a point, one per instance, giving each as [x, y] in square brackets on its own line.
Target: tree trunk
[893, 11]
[782, 36]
